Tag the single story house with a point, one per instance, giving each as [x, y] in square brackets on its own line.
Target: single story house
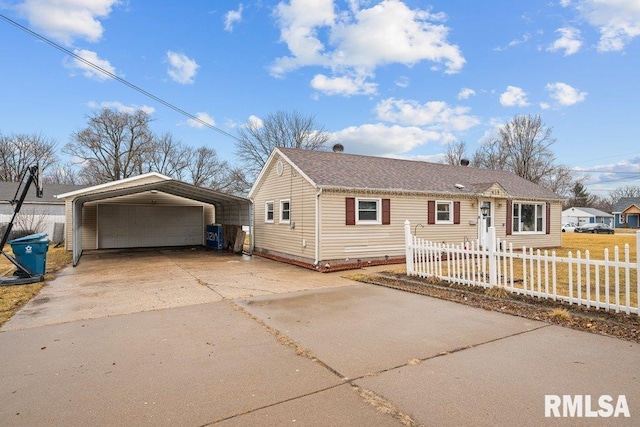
[149, 210]
[627, 212]
[36, 214]
[580, 216]
[318, 208]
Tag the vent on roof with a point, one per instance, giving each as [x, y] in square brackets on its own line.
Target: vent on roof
[464, 162]
[459, 186]
[338, 148]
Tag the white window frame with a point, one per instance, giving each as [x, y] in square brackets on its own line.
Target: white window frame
[266, 211]
[444, 202]
[378, 219]
[282, 220]
[535, 205]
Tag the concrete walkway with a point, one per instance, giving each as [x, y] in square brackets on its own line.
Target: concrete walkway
[329, 355]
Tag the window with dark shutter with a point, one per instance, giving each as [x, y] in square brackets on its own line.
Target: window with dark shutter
[456, 212]
[350, 211]
[509, 219]
[548, 218]
[431, 212]
[386, 211]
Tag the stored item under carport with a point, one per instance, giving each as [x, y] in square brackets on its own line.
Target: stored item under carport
[214, 236]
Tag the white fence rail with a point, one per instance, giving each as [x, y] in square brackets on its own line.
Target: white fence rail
[609, 284]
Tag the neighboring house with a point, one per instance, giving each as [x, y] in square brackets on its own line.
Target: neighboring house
[149, 210]
[36, 214]
[580, 216]
[627, 212]
[318, 208]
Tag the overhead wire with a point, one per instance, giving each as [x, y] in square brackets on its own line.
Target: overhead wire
[118, 78]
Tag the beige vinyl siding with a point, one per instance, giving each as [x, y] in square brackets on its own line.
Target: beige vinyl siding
[297, 238]
[68, 227]
[89, 227]
[342, 242]
[351, 242]
[89, 213]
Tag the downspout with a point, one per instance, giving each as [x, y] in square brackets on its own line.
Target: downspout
[317, 236]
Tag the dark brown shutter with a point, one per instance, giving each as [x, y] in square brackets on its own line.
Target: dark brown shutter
[351, 211]
[548, 218]
[509, 220]
[431, 212]
[456, 212]
[386, 211]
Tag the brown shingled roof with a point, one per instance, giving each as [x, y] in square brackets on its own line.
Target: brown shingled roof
[341, 170]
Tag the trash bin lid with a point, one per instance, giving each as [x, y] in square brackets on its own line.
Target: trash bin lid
[29, 238]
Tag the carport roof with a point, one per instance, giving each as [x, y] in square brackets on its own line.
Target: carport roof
[164, 184]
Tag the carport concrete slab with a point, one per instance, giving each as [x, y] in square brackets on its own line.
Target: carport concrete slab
[182, 366]
[234, 276]
[109, 284]
[345, 327]
[504, 383]
[339, 406]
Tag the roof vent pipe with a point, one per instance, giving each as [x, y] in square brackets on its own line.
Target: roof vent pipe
[338, 148]
[464, 162]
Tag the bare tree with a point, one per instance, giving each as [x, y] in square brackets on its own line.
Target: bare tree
[18, 152]
[62, 174]
[523, 146]
[456, 151]
[112, 146]
[258, 138]
[626, 191]
[561, 180]
[167, 156]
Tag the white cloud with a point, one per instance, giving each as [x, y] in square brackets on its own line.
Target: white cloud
[344, 85]
[182, 69]
[402, 81]
[617, 20]
[65, 20]
[254, 121]
[514, 97]
[122, 108]
[87, 70]
[569, 41]
[466, 93]
[437, 115]
[202, 117]
[232, 17]
[380, 139]
[564, 94]
[355, 42]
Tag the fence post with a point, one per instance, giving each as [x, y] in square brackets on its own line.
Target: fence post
[408, 247]
[492, 253]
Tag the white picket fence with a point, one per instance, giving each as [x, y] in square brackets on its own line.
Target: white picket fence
[609, 284]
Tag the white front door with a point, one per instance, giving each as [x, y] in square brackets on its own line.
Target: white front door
[484, 222]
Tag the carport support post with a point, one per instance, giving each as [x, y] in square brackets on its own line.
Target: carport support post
[493, 264]
[408, 247]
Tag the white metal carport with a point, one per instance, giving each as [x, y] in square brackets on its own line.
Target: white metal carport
[229, 209]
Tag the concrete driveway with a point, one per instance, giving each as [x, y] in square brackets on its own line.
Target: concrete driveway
[334, 353]
[110, 283]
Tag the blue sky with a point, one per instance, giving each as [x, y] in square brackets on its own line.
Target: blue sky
[390, 78]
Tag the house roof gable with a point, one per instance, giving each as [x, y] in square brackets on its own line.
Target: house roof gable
[624, 203]
[349, 171]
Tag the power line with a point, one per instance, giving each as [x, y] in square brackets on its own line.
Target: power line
[117, 78]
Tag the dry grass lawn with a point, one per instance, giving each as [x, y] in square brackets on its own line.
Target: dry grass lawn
[14, 297]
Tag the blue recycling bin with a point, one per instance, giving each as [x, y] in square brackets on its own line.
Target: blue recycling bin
[31, 252]
[214, 236]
